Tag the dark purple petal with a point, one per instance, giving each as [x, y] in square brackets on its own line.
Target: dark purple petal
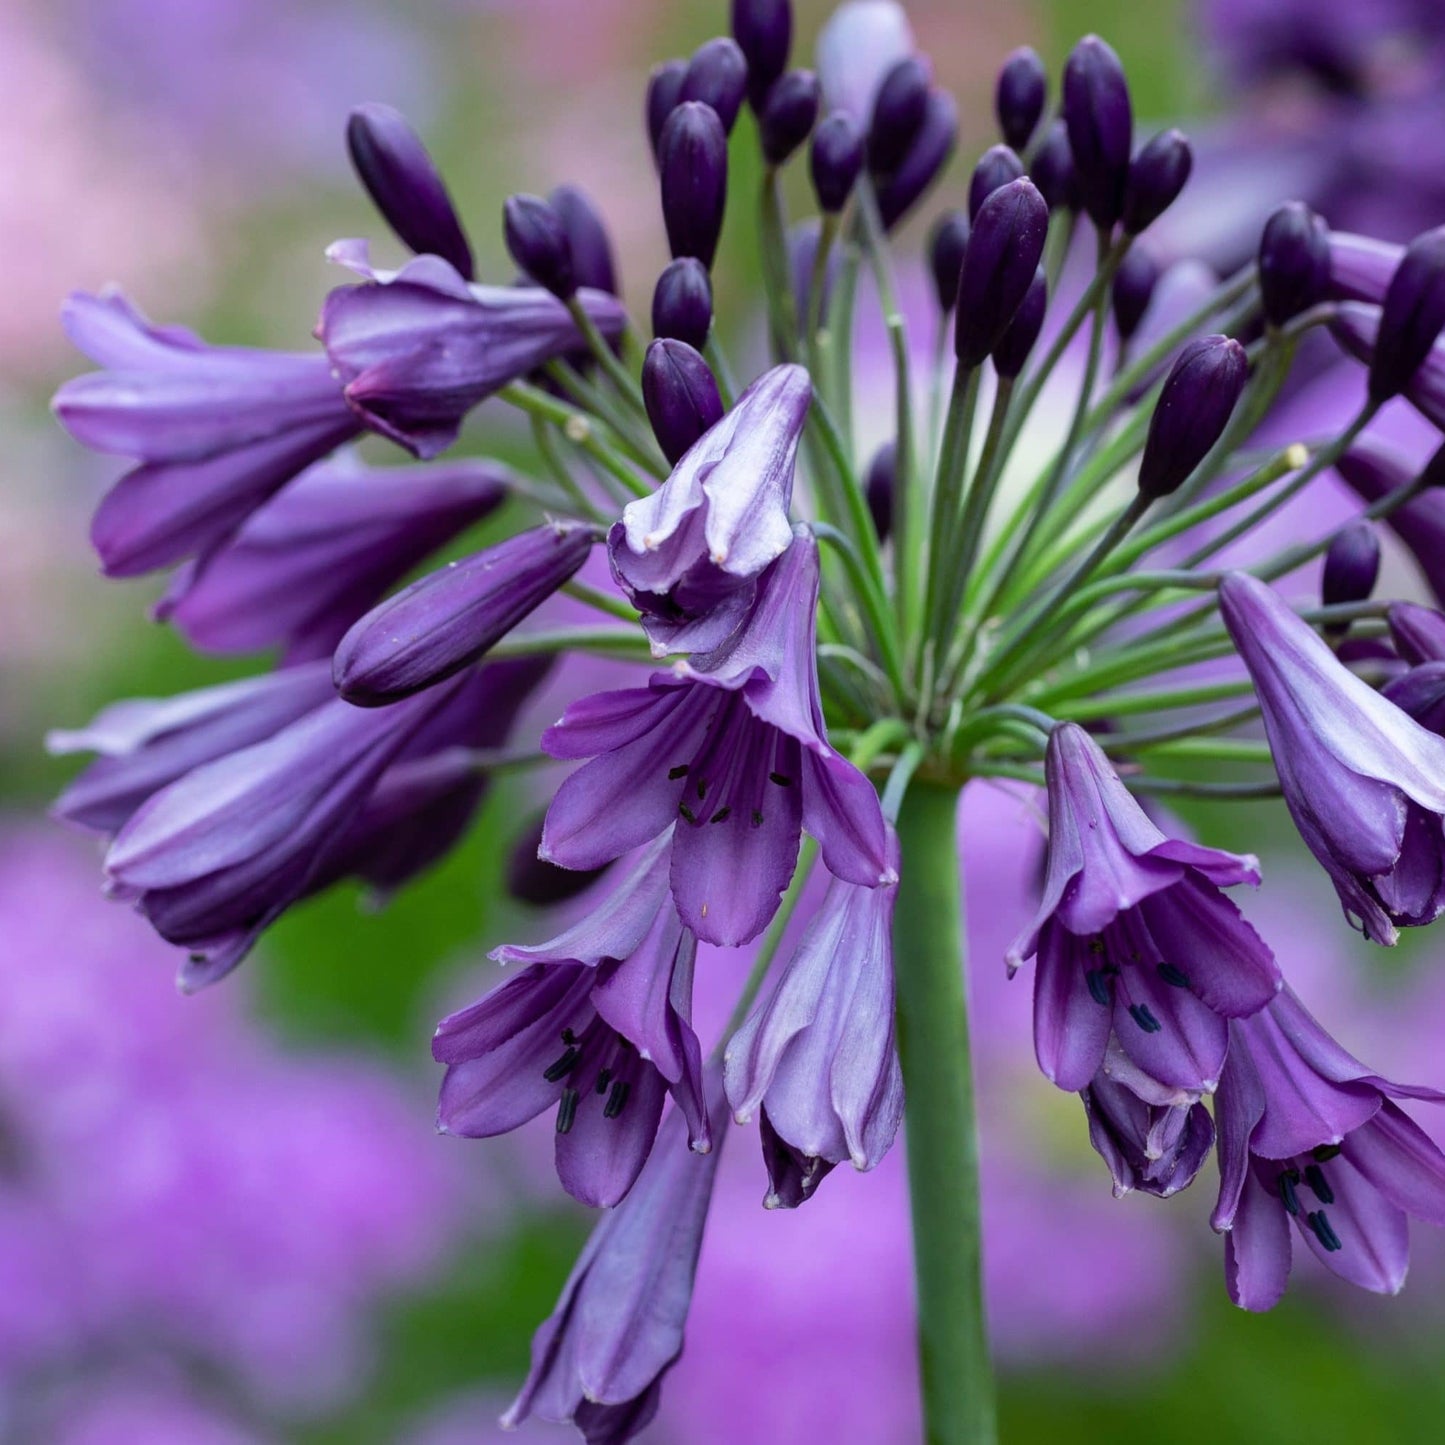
[947, 242]
[792, 1176]
[1156, 177]
[1412, 316]
[664, 90]
[763, 30]
[682, 303]
[788, 116]
[1418, 632]
[898, 111]
[996, 167]
[592, 259]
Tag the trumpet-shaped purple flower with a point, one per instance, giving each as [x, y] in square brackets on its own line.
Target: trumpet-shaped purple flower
[216, 430]
[597, 1026]
[449, 618]
[731, 748]
[306, 565]
[1307, 1133]
[598, 1361]
[1356, 326]
[1133, 935]
[417, 349]
[818, 1055]
[1375, 470]
[688, 556]
[1364, 782]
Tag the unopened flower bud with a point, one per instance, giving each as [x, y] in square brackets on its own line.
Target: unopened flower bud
[681, 396]
[401, 180]
[682, 303]
[1018, 100]
[926, 157]
[1294, 262]
[1053, 172]
[537, 241]
[1133, 289]
[1413, 315]
[1156, 177]
[946, 244]
[898, 112]
[592, 263]
[693, 159]
[1100, 120]
[664, 90]
[1199, 396]
[788, 115]
[531, 879]
[835, 160]
[879, 488]
[998, 267]
[1352, 565]
[996, 167]
[717, 75]
[763, 30]
[1018, 340]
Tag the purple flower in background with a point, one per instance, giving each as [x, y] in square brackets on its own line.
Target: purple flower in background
[305, 566]
[1133, 935]
[1364, 783]
[1374, 470]
[1307, 1133]
[862, 41]
[689, 555]
[417, 349]
[216, 429]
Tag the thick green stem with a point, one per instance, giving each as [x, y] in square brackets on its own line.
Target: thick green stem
[958, 1393]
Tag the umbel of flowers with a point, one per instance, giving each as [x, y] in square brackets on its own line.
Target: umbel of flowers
[828, 647]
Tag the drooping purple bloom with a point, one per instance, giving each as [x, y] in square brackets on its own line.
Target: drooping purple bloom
[1364, 783]
[1133, 935]
[817, 1056]
[1308, 1133]
[731, 748]
[216, 429]
[448, 619]
[597, 1025]
[598, 1361]
[689, 555]
[417, 349]
[305, 566]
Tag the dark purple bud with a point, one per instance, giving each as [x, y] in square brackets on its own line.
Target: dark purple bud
[537, 241]
[926, 157]
[1053, 172]
[717, 75]
[996, 167]
[1194, 407]
[946, 245]
[693, 159]
[879, 488]
[1156, 177]
[1413, 314]
[998, 267]
[1133, 289]
[1100, 120]
[1352, 565]
[1294, 262]
[403, 184]
[681, 396]
[788, 115]
[763, 30]
[682, 303]
[1018, 100]
[835, 160]
[533, 880]
[1013, 348]
[664, 90]
[592, 263]
[898, 112]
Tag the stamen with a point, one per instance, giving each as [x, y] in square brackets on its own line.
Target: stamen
[567, 1110]
[1315, 1178]
[781, 779]
[701, 789]
[1174, 977]
[1140, 1014]
[1288, 1197]
[568, 1037]
[604, 1077]
[563, 1066]
[757, 819]
[687, 812]
[1098, 987]
[617, 1099]
[680, 771]
[1323, 1232]
[721, 816]
[1326, 1152]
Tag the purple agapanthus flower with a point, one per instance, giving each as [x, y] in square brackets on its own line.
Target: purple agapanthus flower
[1364, 782]
[1374, 470]
[689, 555]
[817, 1056]
[417, 349]
[1308, 1133]
[598, 1024]
[305, 566]
[599, 1360]
[732, 749]
[1133, 935]
[216, 430]
[1356, 326]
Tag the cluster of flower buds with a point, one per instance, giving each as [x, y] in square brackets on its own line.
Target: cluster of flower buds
[812, 657]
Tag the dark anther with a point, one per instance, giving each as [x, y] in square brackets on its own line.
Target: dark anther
[563, 1066]
[680, 771]
[568, 1037]
[721, 816]
[1327, 1237]
[604, 1077]
[701, 788]
[757, 819]
[617, 1099]
[1325, 1152]
[1140, 1014]
[1287, 1181]
[686, 812]
[781, 779]
[1174, 977]
[1315, 1178]
[1098, 987]
[1096, 945]
[567, 1110]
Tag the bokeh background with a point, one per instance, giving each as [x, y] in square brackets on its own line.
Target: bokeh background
[226, 1220]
